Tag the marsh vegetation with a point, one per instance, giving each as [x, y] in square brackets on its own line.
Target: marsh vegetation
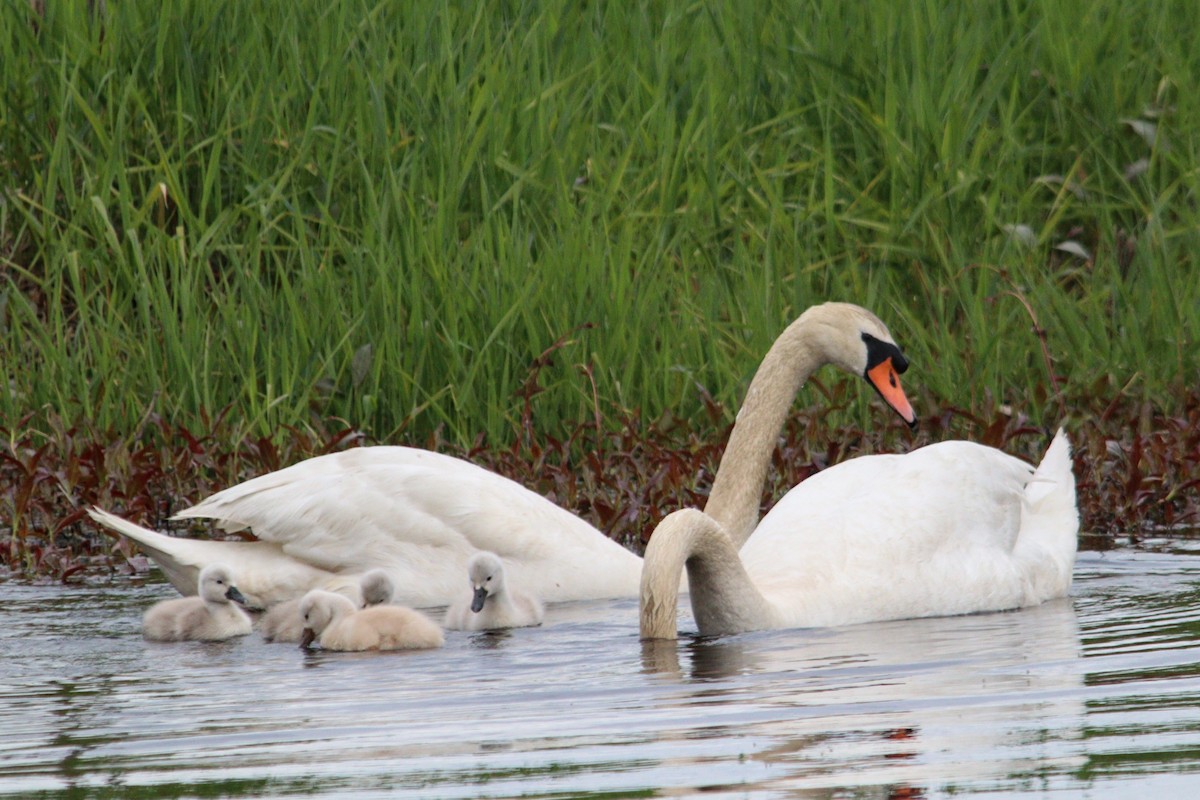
[556, 238]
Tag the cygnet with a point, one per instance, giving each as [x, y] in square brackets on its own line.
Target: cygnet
[492, 604]
[333, 620]
[282, 622]
[212, 615]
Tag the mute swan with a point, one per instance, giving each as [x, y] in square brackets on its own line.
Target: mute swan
[211, 616]
[951, 528]
[282, 622]
[334, 621]
[492, 604]
[421, 515]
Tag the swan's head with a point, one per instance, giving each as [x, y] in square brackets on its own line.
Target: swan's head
[856, 340]
[318, 609]
[216, 585]
[486, 572]
[377, 588]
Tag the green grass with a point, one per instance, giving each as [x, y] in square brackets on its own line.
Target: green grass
[384, 212]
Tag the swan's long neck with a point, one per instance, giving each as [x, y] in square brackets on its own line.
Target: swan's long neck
[737, 489]
[724, 600]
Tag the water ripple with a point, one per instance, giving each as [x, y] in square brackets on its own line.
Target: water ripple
[1095, 694]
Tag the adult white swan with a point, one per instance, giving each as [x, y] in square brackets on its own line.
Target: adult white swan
[421, 515]
[951, 528]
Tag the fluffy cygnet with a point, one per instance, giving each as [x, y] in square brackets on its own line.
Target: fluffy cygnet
[492, 604]
[283, 623]
[333, 620]
[210, 616]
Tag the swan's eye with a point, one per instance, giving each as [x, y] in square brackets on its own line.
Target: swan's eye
[880, 351]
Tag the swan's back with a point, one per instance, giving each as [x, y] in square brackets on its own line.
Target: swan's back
[945, 529]
[423, 514]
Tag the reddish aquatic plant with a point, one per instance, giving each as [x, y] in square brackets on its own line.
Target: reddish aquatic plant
[1138, 470]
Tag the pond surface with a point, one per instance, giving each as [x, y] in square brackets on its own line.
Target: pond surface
[1097, 696]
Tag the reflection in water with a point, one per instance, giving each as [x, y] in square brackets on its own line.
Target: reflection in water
[894, 698]
[490, 640]
[1094, 695]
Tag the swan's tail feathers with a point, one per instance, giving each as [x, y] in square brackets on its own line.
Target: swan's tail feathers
[1051, 491]
[174, 556]
[1050, 526]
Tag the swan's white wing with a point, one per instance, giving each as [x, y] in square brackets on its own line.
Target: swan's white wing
[891, 536]
[421, 515]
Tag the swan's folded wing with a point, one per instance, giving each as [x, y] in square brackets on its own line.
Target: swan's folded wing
[932, 532]
[361, 508]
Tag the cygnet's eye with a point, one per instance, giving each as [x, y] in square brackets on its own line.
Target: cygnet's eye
[489, 578]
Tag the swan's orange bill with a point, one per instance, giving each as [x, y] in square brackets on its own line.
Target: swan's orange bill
[885, 380]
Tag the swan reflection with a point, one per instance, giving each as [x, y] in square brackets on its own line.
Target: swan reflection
[906, 703]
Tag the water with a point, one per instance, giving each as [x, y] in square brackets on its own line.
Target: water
[1096, 696]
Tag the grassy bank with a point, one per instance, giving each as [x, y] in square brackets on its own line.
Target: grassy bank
[387, 213]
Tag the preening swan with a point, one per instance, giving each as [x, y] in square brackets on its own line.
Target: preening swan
[421, 515]
[333, 620]
[282, 622]
[492, 604]
[211, 616]
[951, 528]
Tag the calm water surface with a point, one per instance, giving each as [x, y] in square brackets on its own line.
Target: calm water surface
[1097, 696]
